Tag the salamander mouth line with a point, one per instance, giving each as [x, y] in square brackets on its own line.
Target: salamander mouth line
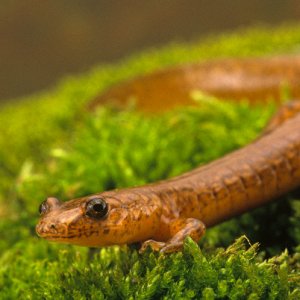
[55, 237]
[86, 233]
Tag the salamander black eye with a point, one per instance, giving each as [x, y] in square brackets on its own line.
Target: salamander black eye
[43, 208]
[96, 208]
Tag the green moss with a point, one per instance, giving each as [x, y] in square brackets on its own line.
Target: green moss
[68, 152]
[121, 273]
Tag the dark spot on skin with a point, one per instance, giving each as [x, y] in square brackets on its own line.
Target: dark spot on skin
[93, 232]
[106, 231]
[86, 234]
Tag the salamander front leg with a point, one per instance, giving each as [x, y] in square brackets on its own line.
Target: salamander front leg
[179, 230]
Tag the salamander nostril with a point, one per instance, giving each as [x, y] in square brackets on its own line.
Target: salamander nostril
[52, 226]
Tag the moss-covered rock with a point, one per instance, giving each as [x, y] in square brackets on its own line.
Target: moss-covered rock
[50, 145]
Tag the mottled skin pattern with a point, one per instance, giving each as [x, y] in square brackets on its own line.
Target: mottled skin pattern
[162, 214]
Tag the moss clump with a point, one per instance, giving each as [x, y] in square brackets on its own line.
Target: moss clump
[121, 273]
[69, 153]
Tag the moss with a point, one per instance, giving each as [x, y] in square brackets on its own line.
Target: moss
[121, 273]
[68, 152]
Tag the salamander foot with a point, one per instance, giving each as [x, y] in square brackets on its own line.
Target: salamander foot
[179, 229]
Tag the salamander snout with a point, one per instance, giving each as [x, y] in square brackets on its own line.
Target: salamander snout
[43, 229]
[47, 206]
[51, 225]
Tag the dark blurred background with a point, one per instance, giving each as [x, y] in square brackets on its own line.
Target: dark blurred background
[42, 41]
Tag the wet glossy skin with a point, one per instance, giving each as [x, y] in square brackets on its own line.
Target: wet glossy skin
[162, 214]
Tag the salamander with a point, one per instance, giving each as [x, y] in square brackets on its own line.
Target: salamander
[162, 214]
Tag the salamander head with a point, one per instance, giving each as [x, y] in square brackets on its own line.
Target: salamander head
[94, 221]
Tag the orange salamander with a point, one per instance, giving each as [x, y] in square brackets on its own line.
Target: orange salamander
[162, 214]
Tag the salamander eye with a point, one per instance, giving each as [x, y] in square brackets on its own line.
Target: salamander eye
[97, 208]
[49, 204]
[43, 208]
